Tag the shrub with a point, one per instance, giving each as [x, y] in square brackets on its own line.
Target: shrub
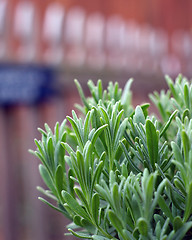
[119, 172]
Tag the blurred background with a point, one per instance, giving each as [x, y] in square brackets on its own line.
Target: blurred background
[44, 45]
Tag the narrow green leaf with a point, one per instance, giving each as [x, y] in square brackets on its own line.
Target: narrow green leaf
[65, 213]
[62, 128]
[97, 133]
[136, 233]
[95, 207]
[82, 197]
[59, 155]
[80, 235]
[144, 108]
[104, 114]
[162, 111]
[112, 179]
[139, 116]
[129, 158]
[77, 220]
[176, 197]
[142, 226]
[149, 193]
[50, 151]
[177, 223]
[164, 228]
[128, 235]
[158, 193]
[47, 178]
[171, 86]
[116, 88]
[95, 120]
[93, 90]
[97, 174]
[80, 90]
[186, 113]
[99, 89]
[136, 207]
[69, 210]
[87, 124]
[186, 145]
[152, 142]
[47, 193]
[159, 218]
[116, 222]
[188, 206]
[128, 139]
[116, 197]
[81, 164]
[126, 95]
[177, 153]
[182, 231]
[124, 170]
[76, 130]
[71, 181]
[98, 237]
[59, 179]
[158, 230]
[120, 133]
[73, 204]
[40, 147]
[117, 122]
[168, 123]
[103, 193]
[48, 129]
[68, 148]
[186, 96]
[165, 208]
[180, 185]
[38, 155]
[56, 131]
[42, 132]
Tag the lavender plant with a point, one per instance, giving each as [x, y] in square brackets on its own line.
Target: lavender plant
[118, 172]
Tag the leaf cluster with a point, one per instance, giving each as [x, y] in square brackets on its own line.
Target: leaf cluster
[118, 172]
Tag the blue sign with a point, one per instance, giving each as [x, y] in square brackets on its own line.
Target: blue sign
[25, 84]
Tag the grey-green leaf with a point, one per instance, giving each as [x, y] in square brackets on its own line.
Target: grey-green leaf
[47, 178]
[74, 205]
[95, 207]
[152, 142]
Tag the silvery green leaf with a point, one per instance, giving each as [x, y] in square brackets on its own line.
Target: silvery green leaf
[76, 130]
[139, 116]
[188, 206]
[177, 223]
[152, 142]
[95, 207]
[116, 222]
[143, 226]
[83, 98]
[166, 210]
[74, 205]
[126, 95]
[60, 181]
[47, 178]
[179, 234]
[168, 123]
[80, 234]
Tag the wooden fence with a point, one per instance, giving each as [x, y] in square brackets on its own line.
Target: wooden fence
[23, 216]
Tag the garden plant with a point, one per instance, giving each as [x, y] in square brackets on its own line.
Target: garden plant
[118, 172]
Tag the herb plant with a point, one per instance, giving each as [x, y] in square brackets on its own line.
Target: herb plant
[121, 173]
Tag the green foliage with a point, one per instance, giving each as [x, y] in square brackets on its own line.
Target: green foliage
[118, 172]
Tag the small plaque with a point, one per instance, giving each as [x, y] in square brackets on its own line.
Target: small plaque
[25, 84]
